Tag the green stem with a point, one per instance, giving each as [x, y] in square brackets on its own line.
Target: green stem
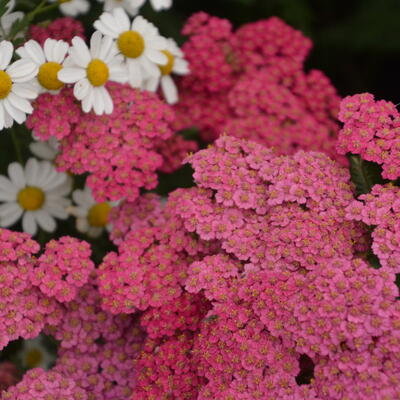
[17, 147]
[40, 9]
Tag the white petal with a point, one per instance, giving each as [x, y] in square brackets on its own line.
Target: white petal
[135, 73]
[16, 174]
[107, 100]
[104, 29]
[2, 116]
[87, 102]
[31, 171]
[6, 52]
[157, 57]
[98, 102]
[81, 89]
[122, 19]
[181, 66]
[45, 221]
[169, 89]
[18, 115]
[35, 51]
[25, 90]
[29, 223]
[95, 44]
[20, 103]
[119, 74]
[8, 191]
[7, 21]
[22, 70]
[10, 213]
[71, 75]
[82, 50]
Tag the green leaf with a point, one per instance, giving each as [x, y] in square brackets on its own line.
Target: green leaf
[364, 174]
[3, 7]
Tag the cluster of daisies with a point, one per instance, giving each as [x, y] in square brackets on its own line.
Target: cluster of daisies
[120, 50]
[37, 195]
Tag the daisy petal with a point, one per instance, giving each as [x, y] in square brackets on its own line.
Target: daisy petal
[29, 224]
[169, 89]
[10, 213]
[71, 75]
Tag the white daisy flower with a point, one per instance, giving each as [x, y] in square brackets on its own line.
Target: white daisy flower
[90, 69]
[35, 193]
[139, 42]
[15, 91]
[91, 217]
[8, 19]
[159, 5]
[130, 6]
[34, 354]
[177, 65]
[47, 150]
[73, 7]
[49, 61]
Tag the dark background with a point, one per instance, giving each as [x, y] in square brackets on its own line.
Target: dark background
[356, 42]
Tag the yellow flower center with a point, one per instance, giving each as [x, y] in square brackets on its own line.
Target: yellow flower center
[31, 198]
[33, 358]
[47, 76]
[5, 84]
[167, 69]
[97, 72]
[131, 44]
[98, 214]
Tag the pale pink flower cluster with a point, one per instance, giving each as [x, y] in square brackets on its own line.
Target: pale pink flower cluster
[380, 210]
[371, 129]
[41, 385]
[63, 268]
[278, 296]
[24, 310]
[271, 211]
[97, 350]
[119, 151]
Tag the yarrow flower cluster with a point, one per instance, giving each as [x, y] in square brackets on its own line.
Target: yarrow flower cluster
[119, 151]
[371, 129]
[250, 83]
[380, 210]
[42, 385]
[267, 276]
[63, 268]
[262, 304]
[24, 310]
[60, 29]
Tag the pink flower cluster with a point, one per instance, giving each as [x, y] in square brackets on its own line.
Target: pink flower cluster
[63, 268]
[250, 273]
[251, 84]
[150, 267]
[271, 211]
[41, 385]
[371, 129]
[145, 212]
[119, 151]
[24, 310]
[380, 209]
[97, 349]
[167, 370]
[60, 29]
